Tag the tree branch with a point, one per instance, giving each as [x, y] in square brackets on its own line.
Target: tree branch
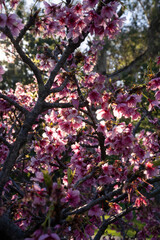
[30, 23]
[47, 106]
[86, 207]
[111, 220]
[88, 176]
[69, 49]
[110, 197]
[60, 88]
[25, 59]
[5, 142]
[9, 229]
[138, 124]
[12, 102]
[129, 68]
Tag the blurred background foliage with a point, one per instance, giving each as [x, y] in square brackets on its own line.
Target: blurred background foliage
[131, 55]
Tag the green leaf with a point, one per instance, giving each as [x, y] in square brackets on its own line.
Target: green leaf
[47, 178]
[156, 163]
[70, 175]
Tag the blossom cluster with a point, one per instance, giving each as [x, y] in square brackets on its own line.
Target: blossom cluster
[82, 18]
[79, 157]
[12, 21]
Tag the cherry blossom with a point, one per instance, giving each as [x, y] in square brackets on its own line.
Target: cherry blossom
[1, 73]
[95, 211]
[158, 60]
[73, 150]
[14, 23]
[73, 197]
[3, 19]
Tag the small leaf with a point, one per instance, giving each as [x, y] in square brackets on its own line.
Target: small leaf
[47, 178]
[70, 175]
[156, 163]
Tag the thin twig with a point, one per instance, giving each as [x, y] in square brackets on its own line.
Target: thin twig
[25, 59]
[60, 88]
[2, 139]
[47, 105]
[14, 103]
[30, 23]
[111, 220]
[88, 176]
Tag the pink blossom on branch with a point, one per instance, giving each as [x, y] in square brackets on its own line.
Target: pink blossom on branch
[3, 19]
[2, 71]
[73, 197]
[150, 170]
[14, 3]
[158, 60]
[109, 10]
[79, 149]
[90, 3]
[94, 96]
[95, 211]
[14, 23]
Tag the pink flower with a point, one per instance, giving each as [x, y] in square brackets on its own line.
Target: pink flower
[75, 103]
[73, 197]
[150, 170]
[79, 235]
[94, 96]
[72, 114]
[154, 84]
[35, 235]
[126, 106]
[107, 169]
[65, 126]
[39, 177]
[102, 180]
[80, 25]
[50, 9]
[104, 114]
[78, 8]
[111, 29]
[115, 208]
[158, 60]
[49, 149]
[1, 73]
[47, 236]
[3, 19]
[101, 127]
[132, 100]
[71, 20]
[140, 201]
[14, 23]
[49, 133]
[119, 110]
[153, 103]
[89, 230]
[90, 3]
[154, 121]
[95, 211]
[109, 10]
[14, 3]
[76, 148]
[157, 95]
[39, 235]
[1, 70]
[139, 151]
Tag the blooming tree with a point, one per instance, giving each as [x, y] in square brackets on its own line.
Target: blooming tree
[73, 160]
